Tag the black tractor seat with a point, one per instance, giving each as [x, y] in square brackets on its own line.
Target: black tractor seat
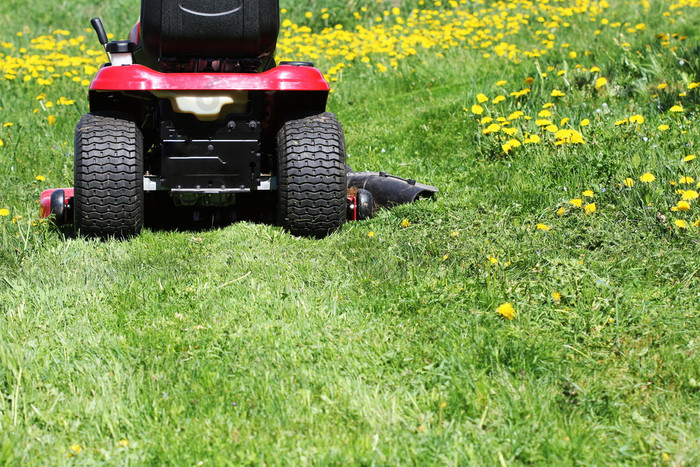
[208, 35]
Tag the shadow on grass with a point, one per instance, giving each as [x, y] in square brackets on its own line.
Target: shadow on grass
[161, 213]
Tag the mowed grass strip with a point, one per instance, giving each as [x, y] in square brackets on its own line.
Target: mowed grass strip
[381, 343]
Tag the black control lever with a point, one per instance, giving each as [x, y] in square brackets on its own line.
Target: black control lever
[100, 30]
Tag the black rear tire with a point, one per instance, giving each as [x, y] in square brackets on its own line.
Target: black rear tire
[108, 177]
[312, 179]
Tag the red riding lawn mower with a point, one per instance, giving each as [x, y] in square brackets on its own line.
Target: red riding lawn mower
[192, 120]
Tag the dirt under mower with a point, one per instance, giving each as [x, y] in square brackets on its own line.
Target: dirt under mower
[192, 119]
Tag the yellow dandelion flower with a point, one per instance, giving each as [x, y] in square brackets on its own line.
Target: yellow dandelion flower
[494, 127]
[506, 310]
[590, 208]
[40, 178]
[647, 178]
[690, 195]
[638, 119]
[547, 105]
[683, 206]
[557, 93]
[588, 194]
[51, 119]
[123, 443]
[4, 212]
[629, 182]
[676, 109]
[486, 120]
[544, 227]
[477, 109]
[585, 122]
[544, 113]
[5, 125]
[560, 211]
[515, 115]
[600, 82]
[686, 180]
[697, 223]
[76, 449]
[371, 234]
[624, 121]
[498, 99]
[405, 223]
[492, 260]
[689, 158]
[663, 127]
[566, 136]
[501, 82]
[595, 69]
[556, 296]
[576, 202]
[481, 98]
[552, 128]
[681, 224]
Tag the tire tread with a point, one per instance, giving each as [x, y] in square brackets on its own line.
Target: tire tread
[312, 175]
[108, 177]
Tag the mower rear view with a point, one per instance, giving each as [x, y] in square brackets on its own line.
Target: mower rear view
[192, 111]
[193, 105]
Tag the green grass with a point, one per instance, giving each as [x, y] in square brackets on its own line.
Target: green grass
[379, 344]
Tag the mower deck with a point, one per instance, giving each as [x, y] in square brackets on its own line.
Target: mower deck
[367, 192]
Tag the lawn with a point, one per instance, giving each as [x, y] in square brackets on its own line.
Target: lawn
[542, 309]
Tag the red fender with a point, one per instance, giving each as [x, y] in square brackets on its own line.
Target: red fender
[141, 78]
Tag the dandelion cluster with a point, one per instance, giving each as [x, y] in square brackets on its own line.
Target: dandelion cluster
[515, 129]
[510, 127]
[49, 58]
[685, 189]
